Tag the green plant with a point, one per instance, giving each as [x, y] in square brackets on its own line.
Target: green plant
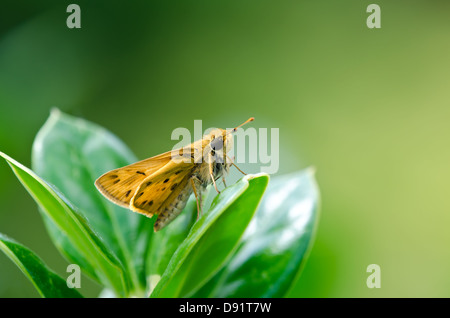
[244, 245]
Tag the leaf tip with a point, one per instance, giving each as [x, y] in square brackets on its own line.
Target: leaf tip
[55, 112]
[249, 177]
[312, 170]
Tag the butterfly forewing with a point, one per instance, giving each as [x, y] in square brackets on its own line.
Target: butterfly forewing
[119, 185]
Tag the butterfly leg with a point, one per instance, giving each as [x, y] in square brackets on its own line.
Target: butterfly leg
[211, 173]
[236, 166]
[223, 180]
[197, 197]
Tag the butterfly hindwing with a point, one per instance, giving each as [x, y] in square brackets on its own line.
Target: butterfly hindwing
[156, 190]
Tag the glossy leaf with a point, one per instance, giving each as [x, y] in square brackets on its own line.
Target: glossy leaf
[164, 244]
[276, 243]
[91, 254]
[213, 239]
[72, 153]
[47, 283]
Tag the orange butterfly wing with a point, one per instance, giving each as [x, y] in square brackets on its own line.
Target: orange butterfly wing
[158, 190]
[119, 185]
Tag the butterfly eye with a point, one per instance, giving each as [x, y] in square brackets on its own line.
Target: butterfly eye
[217, 143]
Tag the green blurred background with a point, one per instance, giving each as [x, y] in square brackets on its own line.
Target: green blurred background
[370, 109]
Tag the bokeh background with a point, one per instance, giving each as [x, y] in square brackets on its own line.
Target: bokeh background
[370, 109]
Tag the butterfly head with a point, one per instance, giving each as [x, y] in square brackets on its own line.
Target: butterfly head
[222, 139]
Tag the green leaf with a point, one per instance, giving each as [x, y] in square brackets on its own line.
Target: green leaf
[47, 283]
[276, 243]
[212, 239]
[72, 153]
[164, 244]
[92, 255]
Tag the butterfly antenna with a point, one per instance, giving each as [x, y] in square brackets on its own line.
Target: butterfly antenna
[245, 122]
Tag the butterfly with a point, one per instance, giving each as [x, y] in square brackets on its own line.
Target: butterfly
[161, 185]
